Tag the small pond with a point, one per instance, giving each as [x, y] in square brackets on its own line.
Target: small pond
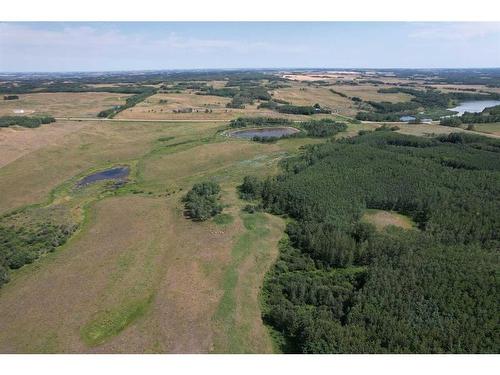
[263, 132]
[411, 118]
[117, 173]
[407, 118]
[474, 106]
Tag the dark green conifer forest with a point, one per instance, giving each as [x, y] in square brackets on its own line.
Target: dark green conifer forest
[341, 286]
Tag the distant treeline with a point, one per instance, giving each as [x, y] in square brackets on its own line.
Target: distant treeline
[242, 122]
[28, 83]
[53, 87]
[25, 121]
[243, 93]
[489, 77]
[283, 107]
[427, 100]
[129, 102]
[341, 286]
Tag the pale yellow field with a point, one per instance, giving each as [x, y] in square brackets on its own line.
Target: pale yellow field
[434, 129]
[18, 141]
[301, 94]
[81, 104]
[152, 109]
[460, 88]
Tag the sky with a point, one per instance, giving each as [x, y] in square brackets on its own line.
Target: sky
[108, 46]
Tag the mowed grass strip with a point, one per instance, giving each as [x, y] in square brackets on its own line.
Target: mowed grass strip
[109, 323]
[238, 321]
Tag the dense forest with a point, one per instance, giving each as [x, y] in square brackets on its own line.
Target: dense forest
[341, 286]
[25, 121]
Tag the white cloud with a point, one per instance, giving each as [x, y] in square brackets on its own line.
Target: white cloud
[92, 39]
[456, 31]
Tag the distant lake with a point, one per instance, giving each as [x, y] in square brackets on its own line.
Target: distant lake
[474, 106]
[263, 132]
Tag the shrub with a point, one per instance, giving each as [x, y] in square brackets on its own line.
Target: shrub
[202, 201]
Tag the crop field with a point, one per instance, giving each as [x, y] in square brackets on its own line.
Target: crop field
[302, 94]
[67, 104]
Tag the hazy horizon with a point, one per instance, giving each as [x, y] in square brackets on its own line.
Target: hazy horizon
[64, 47]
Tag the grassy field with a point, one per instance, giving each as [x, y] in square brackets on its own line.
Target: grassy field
[201, 105]
[302, 94]
[383, 219]
[369, 92]
[493, 128]
[67, 104]
[138, 276]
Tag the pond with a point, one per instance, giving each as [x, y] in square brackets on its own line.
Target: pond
[474, 106]
[263, 132]
[117, 173]
[412, 118]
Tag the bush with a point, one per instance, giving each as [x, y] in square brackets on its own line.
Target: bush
[323, 128]
[202, 201]
[20, 246]
[451, 121]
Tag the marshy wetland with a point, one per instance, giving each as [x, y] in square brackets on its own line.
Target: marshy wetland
[116, 174]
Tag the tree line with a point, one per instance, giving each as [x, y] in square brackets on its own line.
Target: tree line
[129, 103]
[25, 121]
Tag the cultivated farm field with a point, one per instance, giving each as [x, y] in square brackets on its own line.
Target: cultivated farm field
[67, 104]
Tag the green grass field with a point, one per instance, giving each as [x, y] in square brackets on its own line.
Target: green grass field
[138, 276]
